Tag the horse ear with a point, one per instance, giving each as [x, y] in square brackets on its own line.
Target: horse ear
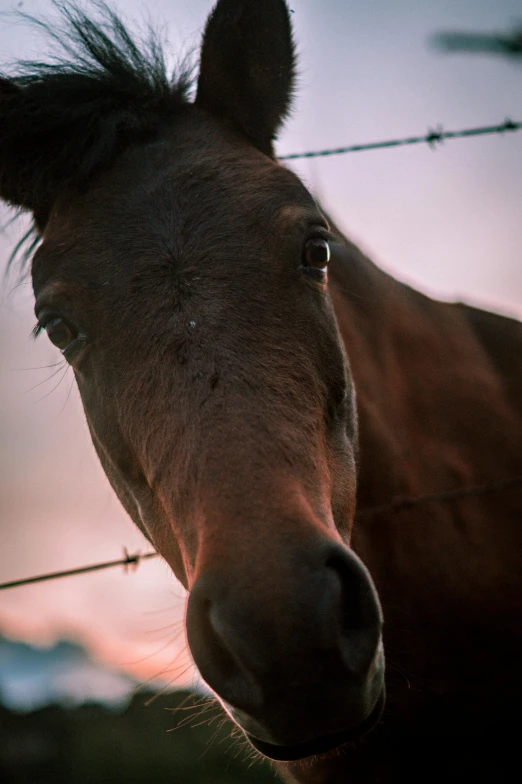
[13, 175]
[8, 94]
[248, 67]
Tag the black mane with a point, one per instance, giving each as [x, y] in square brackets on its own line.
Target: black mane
[64, 120]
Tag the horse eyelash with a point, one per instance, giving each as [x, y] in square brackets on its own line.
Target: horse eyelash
[37, 330]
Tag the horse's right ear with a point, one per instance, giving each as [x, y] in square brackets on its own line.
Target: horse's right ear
[13, 188]
[248, 67]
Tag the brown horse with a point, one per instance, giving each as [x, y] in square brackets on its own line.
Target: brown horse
[243, 368]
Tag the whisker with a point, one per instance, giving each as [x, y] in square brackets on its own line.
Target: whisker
[160, 650]
[68, 395]
[158, 694]
[213, 737]
[254, 758]
[187, 721]
[233, 731]
[155, 612]
[179, 672]
[173, 625]
[206, 722]
[208, 706]
[173, 638]
[157, 676]
[55, 387]
[41, 367]
[61, 364]
[184, 707]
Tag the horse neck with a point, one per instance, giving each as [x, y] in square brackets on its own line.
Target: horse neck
[423, 380]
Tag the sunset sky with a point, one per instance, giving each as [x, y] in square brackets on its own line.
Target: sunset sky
[447, 221]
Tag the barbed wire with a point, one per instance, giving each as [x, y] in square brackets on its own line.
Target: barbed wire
[396, 505]
[128, 560]
[432, 138]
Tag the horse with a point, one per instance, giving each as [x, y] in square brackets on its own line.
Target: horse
[328, 460]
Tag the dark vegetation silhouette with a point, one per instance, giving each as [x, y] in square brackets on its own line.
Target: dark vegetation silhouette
[137, 745]
[250, 379]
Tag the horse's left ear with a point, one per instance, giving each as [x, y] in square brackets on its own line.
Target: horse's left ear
[248, 67]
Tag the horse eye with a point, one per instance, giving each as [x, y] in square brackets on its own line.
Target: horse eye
[317, 253]
[60, 334]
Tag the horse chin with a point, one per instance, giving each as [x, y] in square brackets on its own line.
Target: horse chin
[322, 745]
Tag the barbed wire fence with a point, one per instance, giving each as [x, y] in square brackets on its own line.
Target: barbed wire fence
[127, 561]
[432, 138]
[395, 506]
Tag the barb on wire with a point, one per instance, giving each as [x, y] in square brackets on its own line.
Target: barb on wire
[394, 506]
[128, 561]
[432, 138]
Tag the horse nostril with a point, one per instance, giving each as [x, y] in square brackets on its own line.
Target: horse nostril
[360, 611]
[219, 666]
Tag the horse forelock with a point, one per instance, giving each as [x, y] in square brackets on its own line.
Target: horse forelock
[67, 118]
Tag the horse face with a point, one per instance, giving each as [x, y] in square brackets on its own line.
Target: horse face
[220, 403]
[187, 288]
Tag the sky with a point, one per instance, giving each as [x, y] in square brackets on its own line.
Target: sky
[31, 678]
[447, 221]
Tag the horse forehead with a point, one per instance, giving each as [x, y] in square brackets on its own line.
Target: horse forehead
[195, 165]
[192, 185]
[175, 207]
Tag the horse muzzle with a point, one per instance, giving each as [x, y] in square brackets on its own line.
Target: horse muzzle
[295, 653]
[322, 744]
